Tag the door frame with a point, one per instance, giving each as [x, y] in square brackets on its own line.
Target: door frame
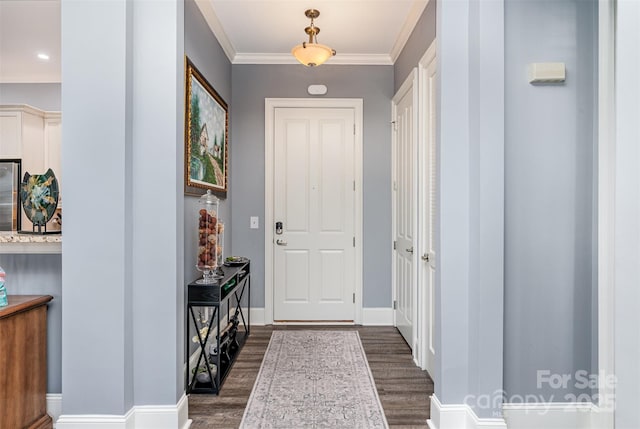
[410, 84]
[606, 216]
[301, 103]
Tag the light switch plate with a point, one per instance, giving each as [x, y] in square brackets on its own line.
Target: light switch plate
[254, 222]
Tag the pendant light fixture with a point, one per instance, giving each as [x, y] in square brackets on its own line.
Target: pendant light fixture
[312, 53]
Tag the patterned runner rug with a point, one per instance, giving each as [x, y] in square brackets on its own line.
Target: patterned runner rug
[314, 379]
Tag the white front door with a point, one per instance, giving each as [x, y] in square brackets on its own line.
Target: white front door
[314, 204]
[404, 207]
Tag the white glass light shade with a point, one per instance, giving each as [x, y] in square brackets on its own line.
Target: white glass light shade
[312, 54]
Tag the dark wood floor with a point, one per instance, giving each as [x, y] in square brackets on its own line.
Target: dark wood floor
[403, 388]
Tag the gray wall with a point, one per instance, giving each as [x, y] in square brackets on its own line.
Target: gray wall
[421, 37]
[549, 178]
[204, 51]
[251, 85]
[44, 96]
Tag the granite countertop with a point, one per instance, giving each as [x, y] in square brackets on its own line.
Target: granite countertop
[12, 242]
[14, 237]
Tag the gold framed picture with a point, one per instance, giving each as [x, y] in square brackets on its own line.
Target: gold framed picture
[206, 136]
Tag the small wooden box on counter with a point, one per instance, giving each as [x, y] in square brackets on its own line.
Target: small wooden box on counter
[23, 362]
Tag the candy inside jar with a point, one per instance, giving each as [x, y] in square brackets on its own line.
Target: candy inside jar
[208, 243]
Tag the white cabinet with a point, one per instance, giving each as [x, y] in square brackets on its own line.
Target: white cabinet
[10, 135]
[22, 136]
[33, 136]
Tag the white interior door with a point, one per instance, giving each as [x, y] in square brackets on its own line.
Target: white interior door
[427, 200]
[404, 207]
[314, 200]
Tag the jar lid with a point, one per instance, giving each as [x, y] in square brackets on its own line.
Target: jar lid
[208, 198]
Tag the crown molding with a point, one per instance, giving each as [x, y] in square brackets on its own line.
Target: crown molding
[340, 59]
[405, 32]
[216, 27]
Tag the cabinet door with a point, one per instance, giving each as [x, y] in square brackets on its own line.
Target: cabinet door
[10, 135]
[32, 151]
[32, 143]
[52, 145]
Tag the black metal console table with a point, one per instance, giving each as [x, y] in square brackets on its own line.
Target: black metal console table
[217, 345]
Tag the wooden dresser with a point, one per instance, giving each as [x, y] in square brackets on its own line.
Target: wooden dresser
[23, 362]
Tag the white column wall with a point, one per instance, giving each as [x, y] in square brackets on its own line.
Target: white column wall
[158, 215]
[452, 266]
[627, 216]
[470, 263]
[96, 267]
[123, 291]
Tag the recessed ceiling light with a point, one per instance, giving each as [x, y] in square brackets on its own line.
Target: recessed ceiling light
[43, 57]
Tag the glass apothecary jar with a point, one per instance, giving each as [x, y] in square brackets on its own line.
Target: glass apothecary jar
[209, 245]
[220, 244]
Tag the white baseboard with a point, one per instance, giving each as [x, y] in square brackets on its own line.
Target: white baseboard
[377, 316]
[138, 417]
[370, 316]
[550, 415]
[257, 316]
[459, 416]
[54, 406]
[602, 417]
[162, 416]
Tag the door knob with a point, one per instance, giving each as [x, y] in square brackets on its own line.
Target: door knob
[410, 250]
[281, 242]
[425, 257]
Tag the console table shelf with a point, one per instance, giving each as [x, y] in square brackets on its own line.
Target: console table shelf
[219, 337]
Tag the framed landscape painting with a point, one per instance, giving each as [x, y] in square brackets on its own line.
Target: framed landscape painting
[206, 136]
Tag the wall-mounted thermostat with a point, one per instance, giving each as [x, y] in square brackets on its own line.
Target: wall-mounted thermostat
[547, 73]
[317, 89]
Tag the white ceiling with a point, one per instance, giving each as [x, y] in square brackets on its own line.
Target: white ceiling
[250, 32]
[27, 28]
[264, 31]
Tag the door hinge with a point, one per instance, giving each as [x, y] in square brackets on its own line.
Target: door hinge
[395, 304]
[354, 185]
[354, 129]
[395, 245]
[354, 241]
[354, 297]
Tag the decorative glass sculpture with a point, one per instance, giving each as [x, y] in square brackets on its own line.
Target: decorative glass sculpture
[207, 259]
[39, 194]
